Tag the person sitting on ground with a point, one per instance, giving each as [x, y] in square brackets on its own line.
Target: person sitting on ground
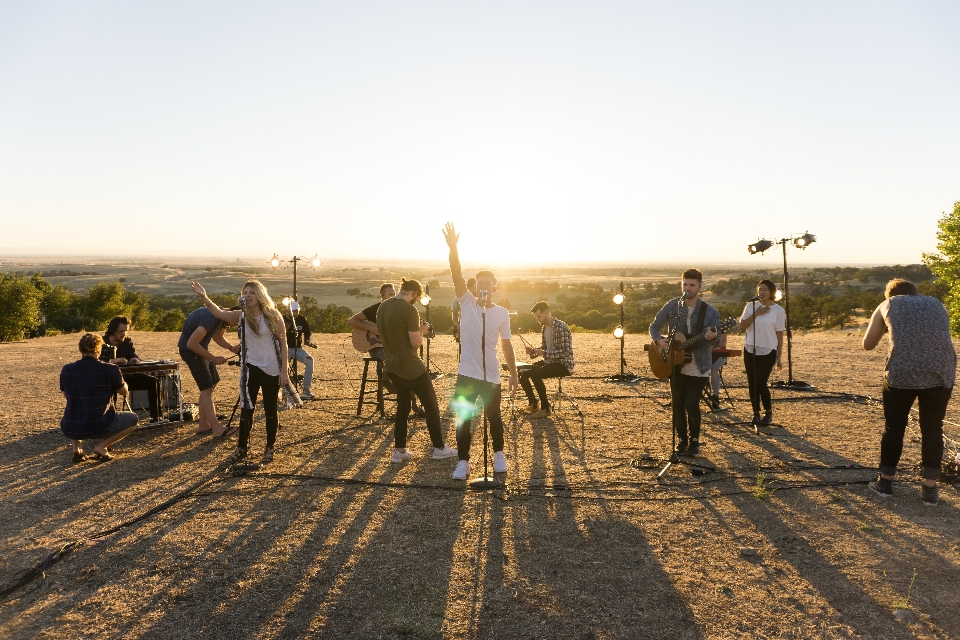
[118, 349]
[922, 366]
[89, 386]
[556, 347]
[298, 334]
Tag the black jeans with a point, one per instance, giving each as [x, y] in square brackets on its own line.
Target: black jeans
[422, 387]
[758, 373]
[257, 379]
[143, 382]
[540, 372]
[687, 391]
[896, 412]
[464, 398]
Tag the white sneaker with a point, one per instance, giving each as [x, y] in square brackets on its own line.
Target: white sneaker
[446, 452]
[499, 462]
[463, 468]
[401, 455]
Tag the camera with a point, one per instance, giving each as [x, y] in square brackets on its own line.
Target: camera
[431, 334]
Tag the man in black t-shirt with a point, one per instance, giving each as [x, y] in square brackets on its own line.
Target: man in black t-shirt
[298, 334]
[118, 349]
[366, 320]
[198, 330]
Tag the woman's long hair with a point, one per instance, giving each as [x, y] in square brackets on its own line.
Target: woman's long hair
[270, 313]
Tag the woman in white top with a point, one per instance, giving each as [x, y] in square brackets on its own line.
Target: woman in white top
[764, 322]
[263, 362]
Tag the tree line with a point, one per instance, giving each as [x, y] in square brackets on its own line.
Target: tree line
[33, 307]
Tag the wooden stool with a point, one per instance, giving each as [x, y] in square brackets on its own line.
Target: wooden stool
[363, 385]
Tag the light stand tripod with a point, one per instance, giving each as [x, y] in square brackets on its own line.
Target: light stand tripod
[487, 481]
[618, 333]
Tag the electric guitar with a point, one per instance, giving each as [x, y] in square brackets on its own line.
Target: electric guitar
[364, 340]
[661, 363]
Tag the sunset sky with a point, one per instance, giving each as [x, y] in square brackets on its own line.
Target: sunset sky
[547, 131]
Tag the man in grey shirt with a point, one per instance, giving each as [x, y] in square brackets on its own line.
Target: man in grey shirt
[921, 365]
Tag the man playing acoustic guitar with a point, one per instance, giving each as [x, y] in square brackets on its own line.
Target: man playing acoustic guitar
[691, 377]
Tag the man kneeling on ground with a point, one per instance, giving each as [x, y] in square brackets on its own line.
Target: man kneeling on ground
[89, 386]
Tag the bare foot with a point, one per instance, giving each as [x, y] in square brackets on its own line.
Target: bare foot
[205, 430]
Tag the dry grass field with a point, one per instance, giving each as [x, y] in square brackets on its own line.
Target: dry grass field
[782, 539]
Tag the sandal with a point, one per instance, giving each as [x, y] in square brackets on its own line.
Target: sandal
[229, 431]
[102, 457]
[237, 456]
[267, 456]
[79, 457]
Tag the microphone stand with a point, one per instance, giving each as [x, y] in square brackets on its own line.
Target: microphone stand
[674, 458]
[756, 383]
[242, 334]
[487, 481]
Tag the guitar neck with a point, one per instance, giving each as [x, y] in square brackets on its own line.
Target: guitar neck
[689, 342]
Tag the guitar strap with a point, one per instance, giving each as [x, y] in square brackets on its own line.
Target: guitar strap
[700, 318]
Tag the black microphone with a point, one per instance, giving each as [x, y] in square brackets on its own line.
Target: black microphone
[755, 298]
[240, 301]
[686, 294]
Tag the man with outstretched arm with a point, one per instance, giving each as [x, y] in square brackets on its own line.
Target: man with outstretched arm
[200, 327]
[471, 381]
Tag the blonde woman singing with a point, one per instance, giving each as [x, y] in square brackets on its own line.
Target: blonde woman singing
[263, 363]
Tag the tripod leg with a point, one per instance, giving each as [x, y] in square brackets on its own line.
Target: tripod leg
[236, 405]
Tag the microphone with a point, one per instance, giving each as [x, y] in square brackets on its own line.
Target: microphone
[240, 301]
[755, 298]
[686, 294]
[483, 296]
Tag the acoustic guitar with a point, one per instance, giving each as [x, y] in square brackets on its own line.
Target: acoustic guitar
[364, 340]
[660, 361]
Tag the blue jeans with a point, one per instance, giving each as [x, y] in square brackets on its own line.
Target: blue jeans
[301, 355]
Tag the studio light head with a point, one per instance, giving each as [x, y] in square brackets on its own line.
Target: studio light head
[315, 262]
[618, 299]
[779, 295]
[275, 261]
[804, 241]
[286, 301]
[425, 300]
[618, 333]
[759, 246]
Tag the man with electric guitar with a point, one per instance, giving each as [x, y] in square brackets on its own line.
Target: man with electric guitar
[693, 325]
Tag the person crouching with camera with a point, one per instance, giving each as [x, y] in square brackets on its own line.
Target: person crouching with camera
[402, 332]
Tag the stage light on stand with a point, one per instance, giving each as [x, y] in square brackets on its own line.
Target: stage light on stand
[315, 262]
[804, 241]
[286, 301]
[801, 242]
[425, 301]
[624, 376]
[759, 246]
[275, 261]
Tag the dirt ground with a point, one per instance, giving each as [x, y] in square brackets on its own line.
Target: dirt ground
[334, 541]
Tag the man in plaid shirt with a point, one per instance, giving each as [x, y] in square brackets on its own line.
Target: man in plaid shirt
[556, 347]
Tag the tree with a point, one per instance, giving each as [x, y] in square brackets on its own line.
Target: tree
[945, 264]
[20, 311]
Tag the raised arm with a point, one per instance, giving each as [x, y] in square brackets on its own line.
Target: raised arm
[456, 271]
[232, 317]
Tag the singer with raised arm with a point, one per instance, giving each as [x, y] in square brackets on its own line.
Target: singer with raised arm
[479, 372]
[764, 322]
[688, 315]
[263, 361]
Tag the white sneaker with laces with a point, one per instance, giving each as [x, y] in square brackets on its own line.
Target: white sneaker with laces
[401, 455]
[443, 454]
[499, 462]
[463, 468]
